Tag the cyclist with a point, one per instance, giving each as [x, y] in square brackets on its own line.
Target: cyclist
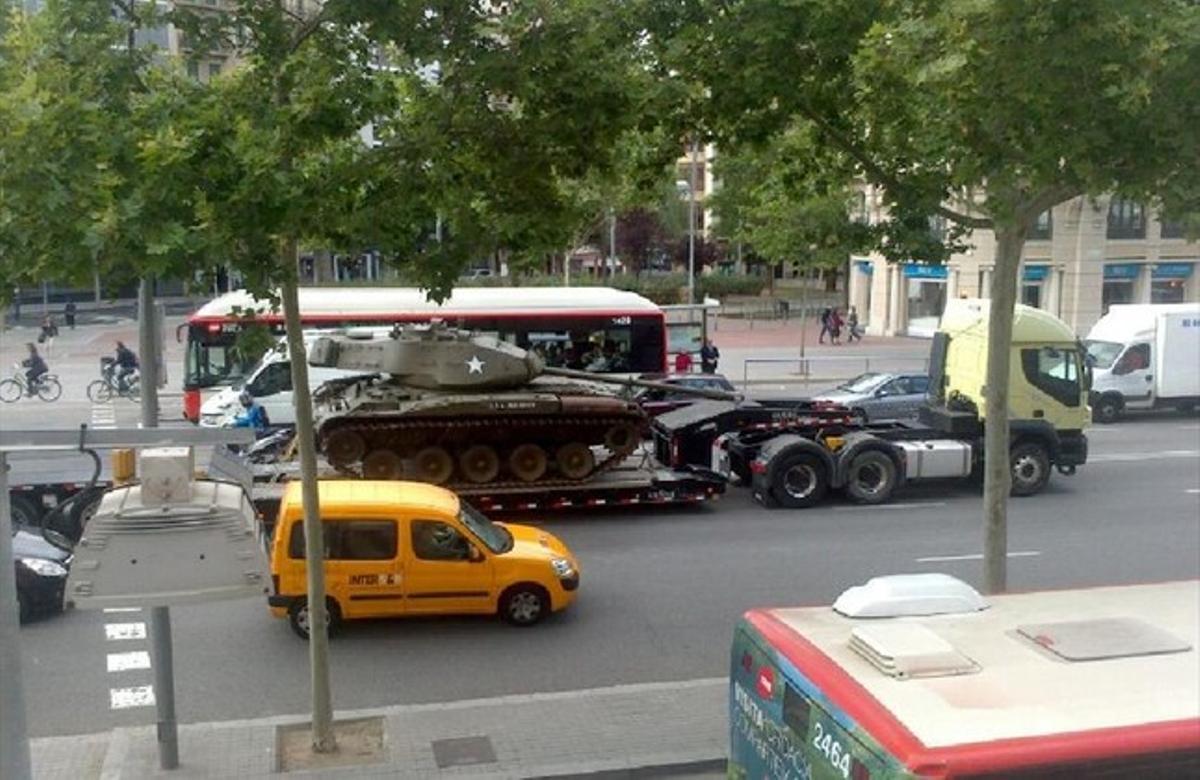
[127, 363]
[253, 415]
[35, 369]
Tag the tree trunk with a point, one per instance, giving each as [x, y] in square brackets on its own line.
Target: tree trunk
[314, 555]
[997, 471]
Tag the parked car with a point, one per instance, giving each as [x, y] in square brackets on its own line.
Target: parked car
[41, 566]
[881, 396]
[656, 402]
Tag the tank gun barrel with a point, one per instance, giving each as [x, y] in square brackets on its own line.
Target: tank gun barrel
[699, 392]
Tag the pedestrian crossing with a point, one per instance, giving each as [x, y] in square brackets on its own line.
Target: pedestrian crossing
[104, 416]
[128, 665]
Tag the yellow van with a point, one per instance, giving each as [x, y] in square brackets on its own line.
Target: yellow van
[408, 548]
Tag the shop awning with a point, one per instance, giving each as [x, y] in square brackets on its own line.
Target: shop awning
[1122, 270]
[918, 271]
[1035, 273]
[1172, 270]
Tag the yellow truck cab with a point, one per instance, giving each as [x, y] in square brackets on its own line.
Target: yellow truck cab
[397, 548]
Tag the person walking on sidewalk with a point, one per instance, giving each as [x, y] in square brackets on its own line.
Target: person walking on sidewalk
[826, 315]
[709, 355]
[49, 331]
[69, 314]
[835, 327]
[852, 325]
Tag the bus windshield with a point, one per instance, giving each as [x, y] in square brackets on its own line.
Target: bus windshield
[213, 359]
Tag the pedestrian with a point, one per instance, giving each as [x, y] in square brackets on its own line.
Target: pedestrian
[49, 331]
[683, 362]
[826, 313]
[852, 324]
[69, 314]
[835, 327]
[709, 355]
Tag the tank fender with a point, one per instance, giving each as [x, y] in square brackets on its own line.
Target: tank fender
[862, 442]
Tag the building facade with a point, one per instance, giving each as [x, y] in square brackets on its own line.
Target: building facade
[1084, 255]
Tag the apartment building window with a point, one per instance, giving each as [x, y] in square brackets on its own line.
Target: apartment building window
[1126, 219]
[214, 69]
[193, 70]
[1171, 229]
[1043, 229]
[937, 227]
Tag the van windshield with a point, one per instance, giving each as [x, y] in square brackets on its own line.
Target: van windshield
[496, 537]
[1102, 354]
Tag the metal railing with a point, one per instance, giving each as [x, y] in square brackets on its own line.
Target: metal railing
[847, 366]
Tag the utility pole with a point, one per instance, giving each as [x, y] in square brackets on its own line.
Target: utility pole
[612, 242]
[692, 222]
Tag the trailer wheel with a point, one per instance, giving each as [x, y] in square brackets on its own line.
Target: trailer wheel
[801, 481]
[1030, 465]
[871, 478]
[1107, 409]
[24, 511]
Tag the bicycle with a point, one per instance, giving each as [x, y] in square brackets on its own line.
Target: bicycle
[46, 387]
[101, 390]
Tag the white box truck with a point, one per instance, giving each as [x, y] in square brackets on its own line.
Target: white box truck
[1145, 356]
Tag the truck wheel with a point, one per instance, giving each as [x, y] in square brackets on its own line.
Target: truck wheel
[1107, 409]
[1187, 407]
[24, 511]
[524, 605]
[871, 478]
[298, 617]
[1030, 468]
[800, 481]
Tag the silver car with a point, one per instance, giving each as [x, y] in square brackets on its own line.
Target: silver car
[881, 396]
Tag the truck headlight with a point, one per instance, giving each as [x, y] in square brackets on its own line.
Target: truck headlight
[44, 568]
[562, 567]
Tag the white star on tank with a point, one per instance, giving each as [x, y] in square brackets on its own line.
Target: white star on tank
[475, 365]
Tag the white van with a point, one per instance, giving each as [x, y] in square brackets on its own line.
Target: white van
[270, 382]
[1145, 356]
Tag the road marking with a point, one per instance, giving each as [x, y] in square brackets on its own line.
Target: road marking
[1125, 457]
[104, 416]
[112, 610]
[114, 632]
[1193, 491]
[911, 505]
[975, 556]
[124, 698]
[124, 662]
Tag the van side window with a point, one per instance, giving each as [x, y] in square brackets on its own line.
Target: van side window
[433, 540]
[351, 540]
[274, 378]
[1136, 358]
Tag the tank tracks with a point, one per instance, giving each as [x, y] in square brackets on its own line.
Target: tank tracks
[396, 429]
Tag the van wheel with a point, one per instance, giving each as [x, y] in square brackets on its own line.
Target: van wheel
[298, 617]
[1030, 468]
[524, 605]
[800, 481]
[871, 478]
[1107, 409]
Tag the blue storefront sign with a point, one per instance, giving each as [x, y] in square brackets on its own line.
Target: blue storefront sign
[1036, 273]
[1172, 270]
[915, 271]
[1122, 270]
[865, 266]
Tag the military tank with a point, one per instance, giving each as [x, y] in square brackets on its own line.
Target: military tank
[456, 408]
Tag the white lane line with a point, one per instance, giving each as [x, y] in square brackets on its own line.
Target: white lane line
[911, 505]
[1193, 491]
[124, 662]
[137, 696]
[117, 631]
[975, 556]
[1125, 457]
[112, 610]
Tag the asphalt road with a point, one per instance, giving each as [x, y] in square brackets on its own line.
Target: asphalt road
[661, 591]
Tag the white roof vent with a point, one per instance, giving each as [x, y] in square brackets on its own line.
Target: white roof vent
[900, 595]
[907, 650]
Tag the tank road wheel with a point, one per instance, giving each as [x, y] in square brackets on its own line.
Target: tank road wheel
[344, 448]
[575, 460]
[528, 462]
[383, 464]
[434, 465]
[622, 438]
[479, 463]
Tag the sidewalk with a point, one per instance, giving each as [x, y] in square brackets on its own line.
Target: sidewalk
[653, 729]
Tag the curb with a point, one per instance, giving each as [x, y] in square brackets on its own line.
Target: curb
[707, 765]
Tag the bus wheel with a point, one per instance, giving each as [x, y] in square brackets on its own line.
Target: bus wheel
[383, 464]
[800, 481]
[1030, 468]
[575, 460]
[479, 463]
[527, 462]
[872, 477]
[434, 465]
[344, 448]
